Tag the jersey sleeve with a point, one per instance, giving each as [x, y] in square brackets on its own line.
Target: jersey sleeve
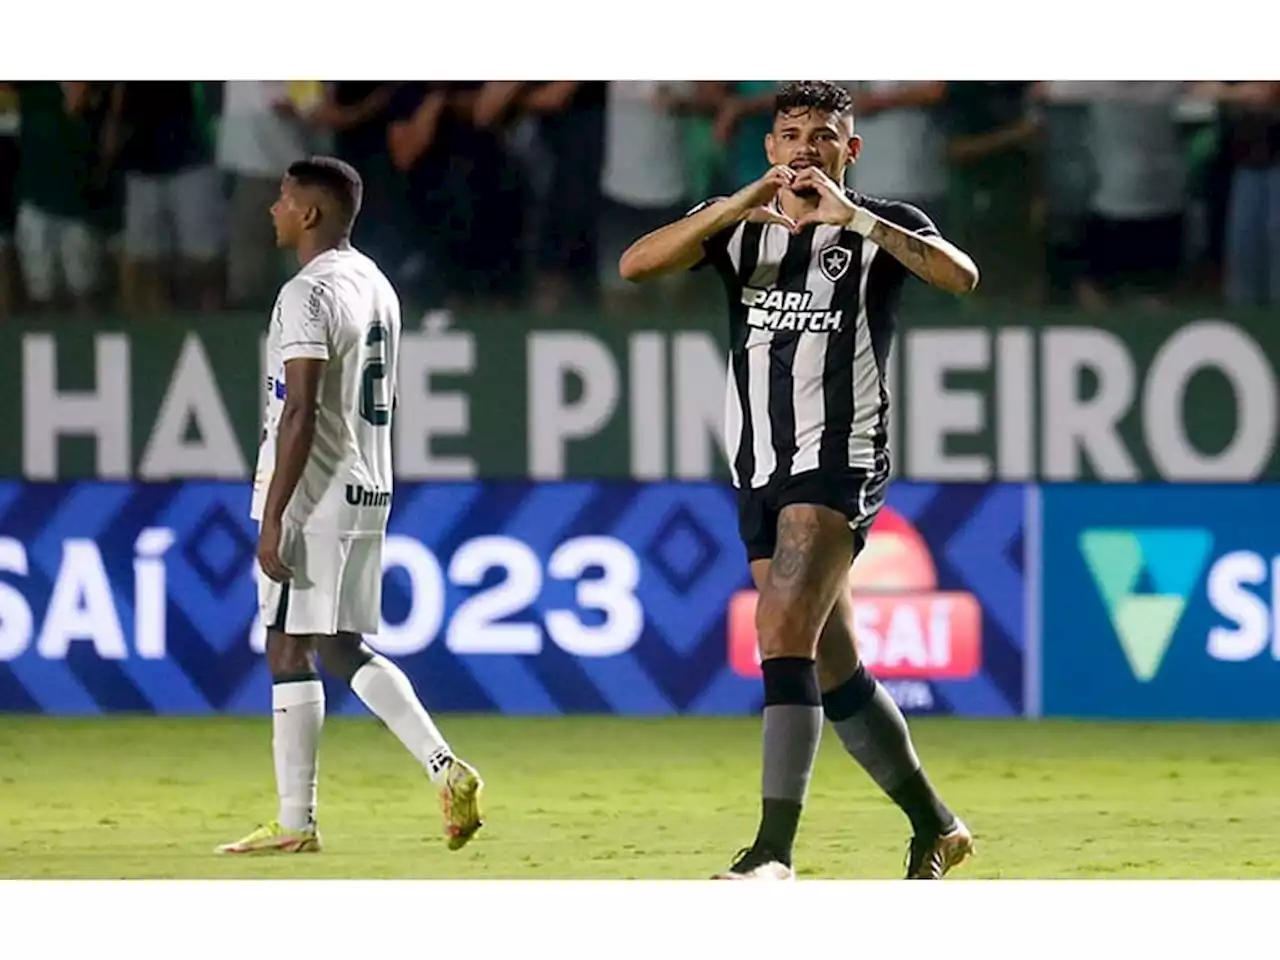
[306, 319]
[909, 217]
[887, 273]
[715, 249]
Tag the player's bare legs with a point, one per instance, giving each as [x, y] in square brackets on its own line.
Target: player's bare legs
[297, 702]
[797, 590]
[874, 732]
[389, 695]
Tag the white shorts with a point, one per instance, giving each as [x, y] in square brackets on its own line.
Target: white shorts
[185, 206]
[51, 247]
[336, 585]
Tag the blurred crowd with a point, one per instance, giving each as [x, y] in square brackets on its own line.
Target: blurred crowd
[153, 196]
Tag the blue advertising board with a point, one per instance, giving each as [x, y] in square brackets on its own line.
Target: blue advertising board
[517, 597]
[1161, 601]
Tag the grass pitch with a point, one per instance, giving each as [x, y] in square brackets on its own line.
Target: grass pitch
[578, 798]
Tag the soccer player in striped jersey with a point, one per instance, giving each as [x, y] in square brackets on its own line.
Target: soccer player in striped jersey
[813, 274]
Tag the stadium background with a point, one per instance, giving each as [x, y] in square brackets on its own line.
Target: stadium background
[1084, 522]
[557, 410]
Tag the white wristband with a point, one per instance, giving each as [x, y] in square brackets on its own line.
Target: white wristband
[862, 221]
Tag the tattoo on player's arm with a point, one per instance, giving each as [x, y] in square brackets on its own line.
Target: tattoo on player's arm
[933, 263]
[908, 249]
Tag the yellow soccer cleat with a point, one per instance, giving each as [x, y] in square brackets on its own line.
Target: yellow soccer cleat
[933, 858]
[460, 802]
[273, 838]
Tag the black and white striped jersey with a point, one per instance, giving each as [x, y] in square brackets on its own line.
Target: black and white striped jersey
[811, 322]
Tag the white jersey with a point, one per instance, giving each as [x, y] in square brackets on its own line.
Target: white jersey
[339, 308]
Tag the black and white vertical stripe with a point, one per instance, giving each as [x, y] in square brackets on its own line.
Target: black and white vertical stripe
[804, 400]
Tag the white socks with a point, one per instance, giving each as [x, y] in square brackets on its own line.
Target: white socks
[297, 715]
[388, 693]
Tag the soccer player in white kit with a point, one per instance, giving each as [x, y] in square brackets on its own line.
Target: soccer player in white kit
[322, 495]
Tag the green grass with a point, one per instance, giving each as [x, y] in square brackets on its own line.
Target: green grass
[612, 798]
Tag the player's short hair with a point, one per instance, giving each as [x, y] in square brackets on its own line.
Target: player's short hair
[335, 177]
[813, 95]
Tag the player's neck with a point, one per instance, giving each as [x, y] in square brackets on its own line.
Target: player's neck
[311, 247]
[795, 207]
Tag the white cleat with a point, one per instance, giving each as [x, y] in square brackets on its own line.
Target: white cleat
[751, 865]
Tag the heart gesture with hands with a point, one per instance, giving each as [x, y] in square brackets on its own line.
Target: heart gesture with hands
[834, 206]
[759, 197]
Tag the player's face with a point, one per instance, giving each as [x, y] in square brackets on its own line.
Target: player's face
[813, 138]
[289, 214]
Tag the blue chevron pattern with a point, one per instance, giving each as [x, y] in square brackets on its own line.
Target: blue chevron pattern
[602, 644]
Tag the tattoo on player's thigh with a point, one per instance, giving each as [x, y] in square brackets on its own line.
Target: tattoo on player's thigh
[797, 538]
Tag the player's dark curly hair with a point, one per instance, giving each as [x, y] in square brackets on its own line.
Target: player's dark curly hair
[813, 95]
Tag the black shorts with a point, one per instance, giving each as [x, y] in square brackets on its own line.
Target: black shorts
[858, 494]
